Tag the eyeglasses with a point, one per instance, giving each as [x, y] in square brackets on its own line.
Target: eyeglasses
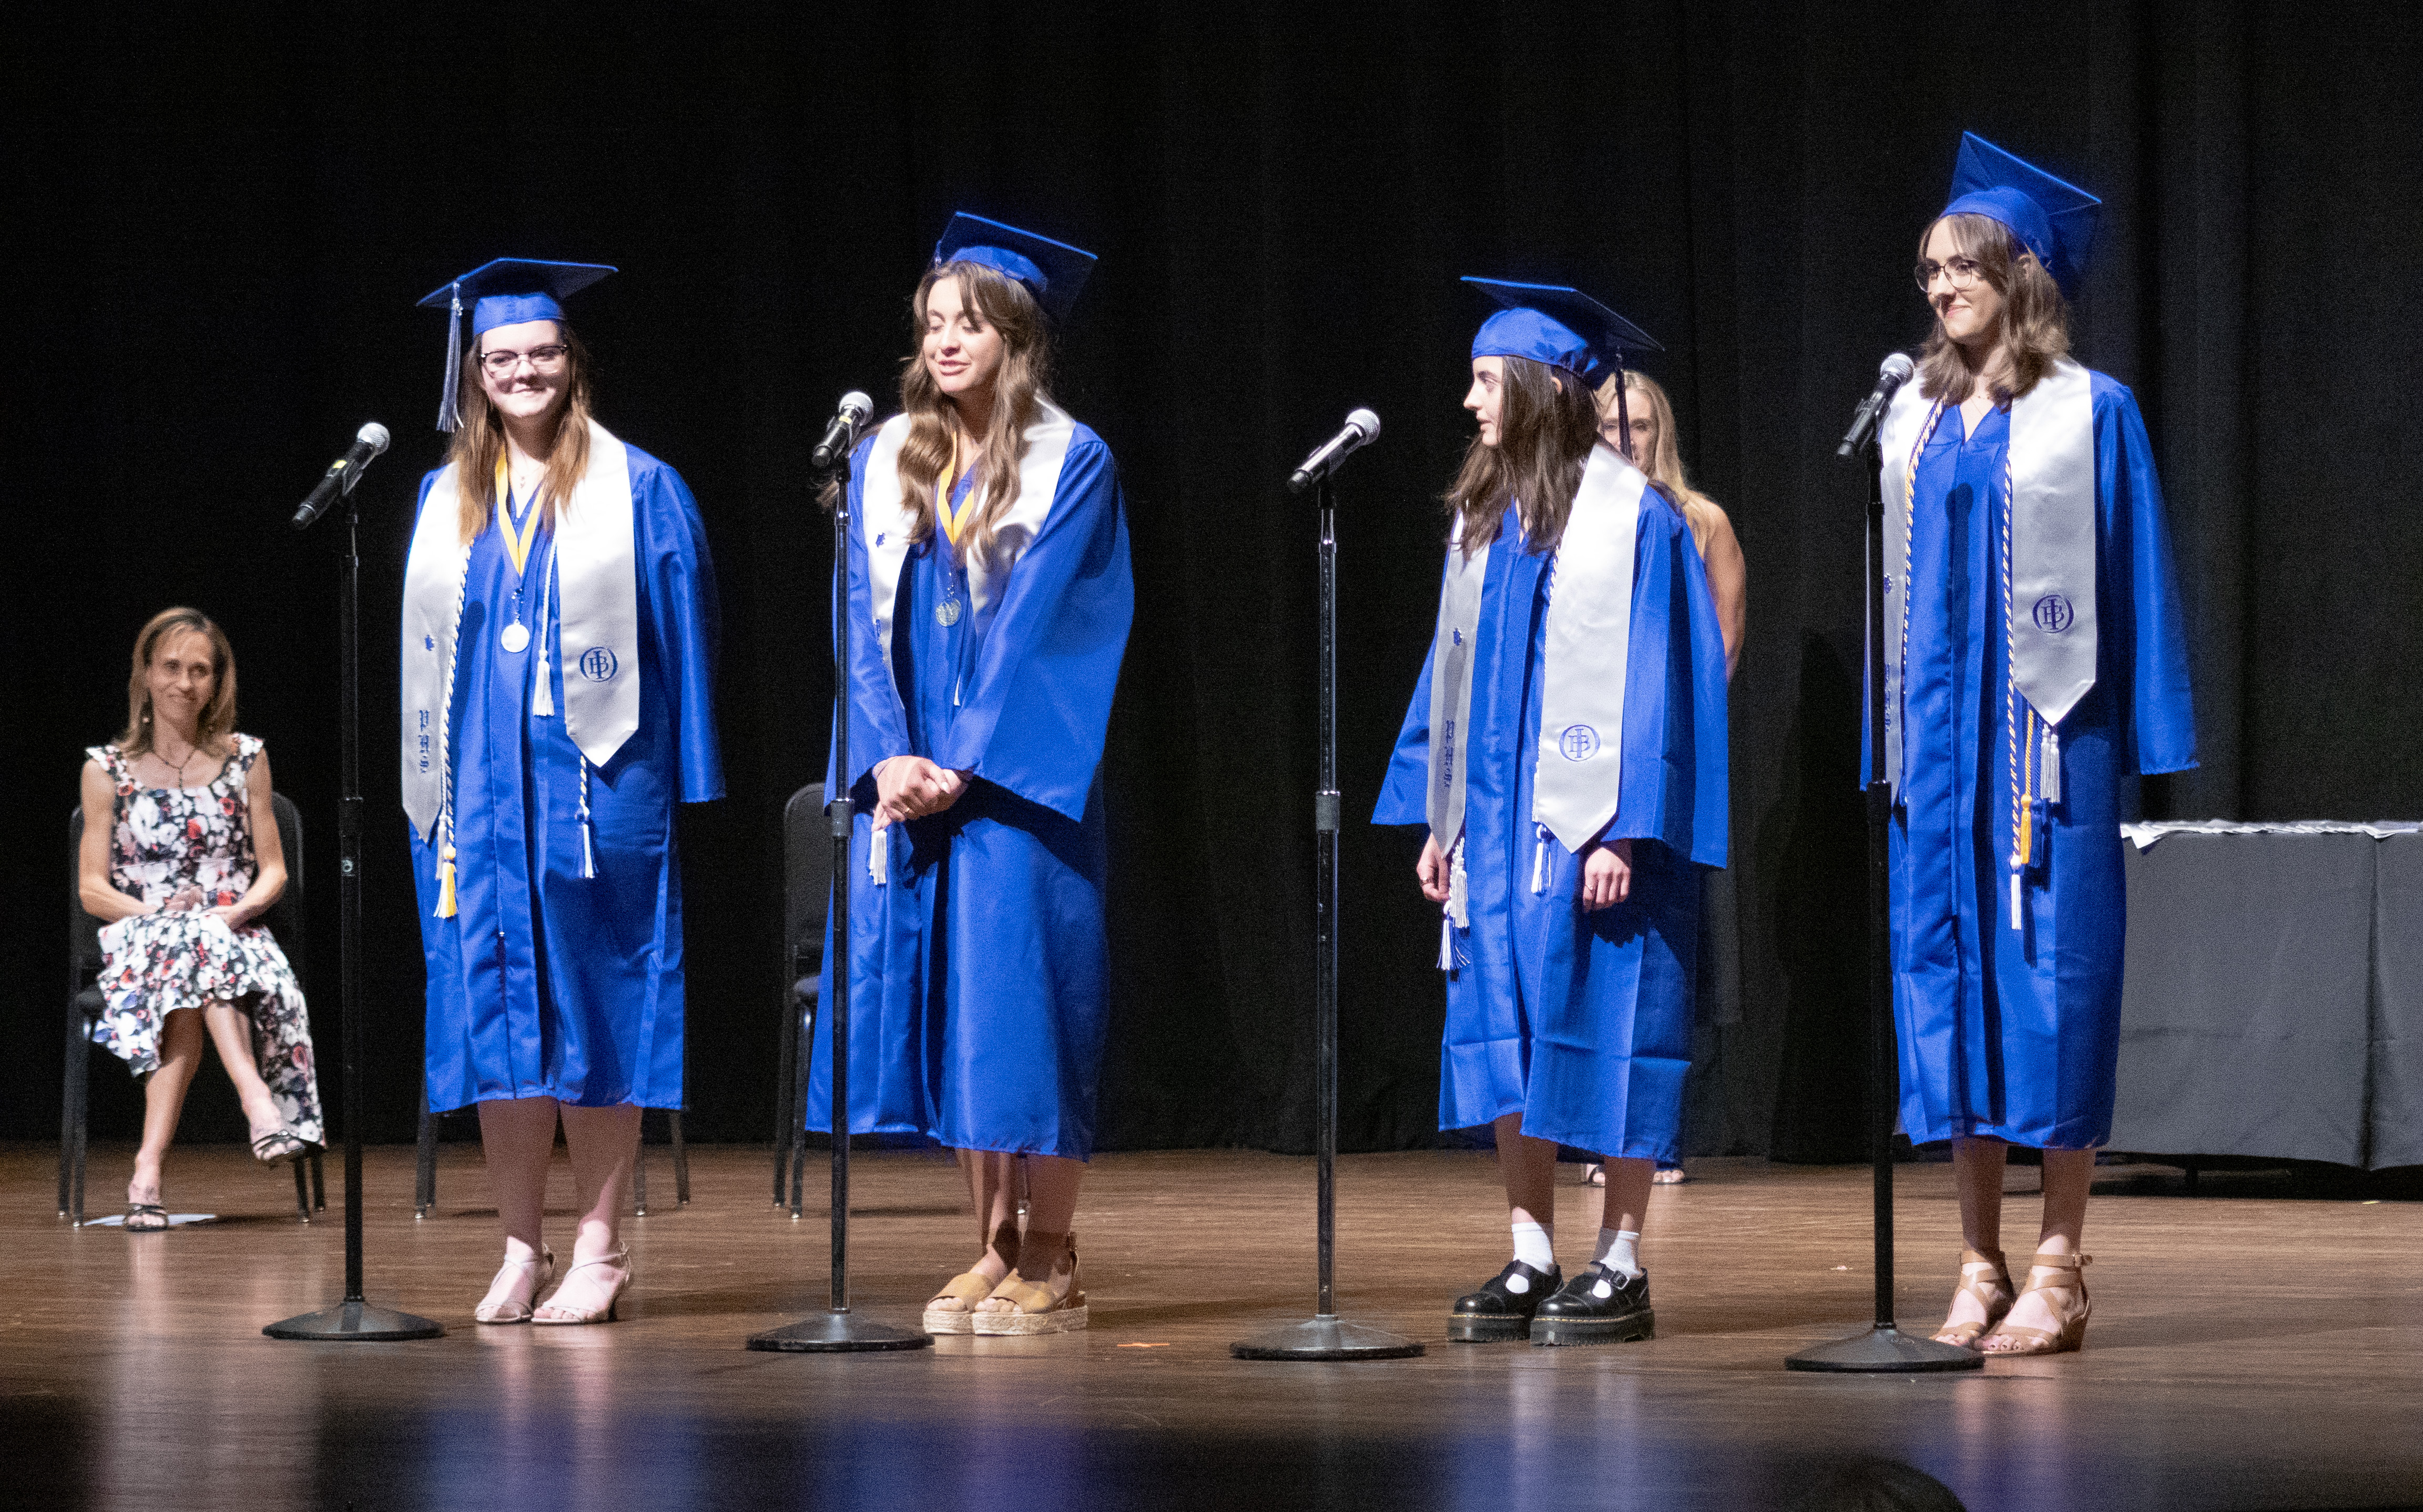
[543, 360]
[1963, 271]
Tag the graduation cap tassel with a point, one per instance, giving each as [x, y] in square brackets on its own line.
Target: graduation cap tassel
[1622, 412]
[446, 885]
[451, 396]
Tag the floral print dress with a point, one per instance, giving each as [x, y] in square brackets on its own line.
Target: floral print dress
[164, 839]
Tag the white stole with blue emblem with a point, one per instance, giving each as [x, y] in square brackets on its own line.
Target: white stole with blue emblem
[2053, 548]
[885, 524]
[594, 577]
[1580, 771]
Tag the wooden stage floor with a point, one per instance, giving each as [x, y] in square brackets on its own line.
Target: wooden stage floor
[2255, 1345]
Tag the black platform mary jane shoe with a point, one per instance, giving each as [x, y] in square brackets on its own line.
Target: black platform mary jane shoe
[1497, 1311]
[1598, 1306]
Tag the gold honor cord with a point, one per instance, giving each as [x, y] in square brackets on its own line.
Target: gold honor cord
[953, 521]
[518, 544]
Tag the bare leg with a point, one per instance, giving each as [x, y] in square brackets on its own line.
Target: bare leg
[992, 1191]
[604, 1144]
[1977, 1177]
[1529, 1167]
[164, 1099]
[1044, 1253]
[231, 1030]
[2068, 1173]
[516, 1136]
[1627, 1193]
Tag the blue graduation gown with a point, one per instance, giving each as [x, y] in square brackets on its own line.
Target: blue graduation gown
[547, 984]
[980, 970]
[1580, 1021]
[2016, 1034]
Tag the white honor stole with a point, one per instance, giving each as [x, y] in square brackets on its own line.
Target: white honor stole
[2048, 564]
[885, 523]
[593, 570]
[1579, 767]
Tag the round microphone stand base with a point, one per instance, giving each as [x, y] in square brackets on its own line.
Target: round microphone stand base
[1326, 1338]
[837, 1334]
[1886, 1349]
[357, 1322]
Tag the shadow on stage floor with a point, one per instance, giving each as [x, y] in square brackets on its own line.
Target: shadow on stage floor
[2265, 1350]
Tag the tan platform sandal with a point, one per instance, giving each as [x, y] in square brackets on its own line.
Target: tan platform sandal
[2068, 1277]
[1033, 1307]
[953, 1309]
[1988, 1278]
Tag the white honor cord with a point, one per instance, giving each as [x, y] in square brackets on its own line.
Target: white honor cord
[542, 701]
[879, 857]
[446, 746]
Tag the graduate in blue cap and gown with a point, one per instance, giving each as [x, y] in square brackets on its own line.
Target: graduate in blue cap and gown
[558, 648]
[990, 593]
[1566, 747]
[2035, 665]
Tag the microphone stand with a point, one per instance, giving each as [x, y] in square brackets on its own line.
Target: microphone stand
[1884, 1346]
[837, 1330]
[354, 1318]
[1326, 1335]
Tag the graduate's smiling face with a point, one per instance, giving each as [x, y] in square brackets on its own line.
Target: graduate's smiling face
[962, 350]
[181, 676]
[1972, 315]
[1487, 396]
[536, 380]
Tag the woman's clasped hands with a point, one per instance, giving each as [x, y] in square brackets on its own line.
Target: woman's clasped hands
[911, 787]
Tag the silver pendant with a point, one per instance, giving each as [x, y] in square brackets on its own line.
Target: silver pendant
[947, 613]
[514, 637]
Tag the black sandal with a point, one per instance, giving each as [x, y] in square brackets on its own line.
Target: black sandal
[146, 1218]
[279, 1147]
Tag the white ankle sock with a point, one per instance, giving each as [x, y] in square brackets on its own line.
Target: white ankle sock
[1535, 1247]
[1619, 1249]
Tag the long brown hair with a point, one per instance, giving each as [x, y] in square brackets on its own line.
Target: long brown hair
[1019, 390]
[2035, 319]
[480, 439]
[217, 719]
[1545, 430]
[1664, 463]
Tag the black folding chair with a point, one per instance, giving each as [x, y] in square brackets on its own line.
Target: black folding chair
[807, 888]
[85, 1008]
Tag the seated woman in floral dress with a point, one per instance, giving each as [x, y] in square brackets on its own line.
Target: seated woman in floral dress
[180, 858]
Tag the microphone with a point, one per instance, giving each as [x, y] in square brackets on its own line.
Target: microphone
[841, 433]
[342, 474]
[1891, 374]
[1361, 426]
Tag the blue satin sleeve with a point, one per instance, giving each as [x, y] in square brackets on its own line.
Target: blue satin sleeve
[879, 725]
[1404, 794]
[1675, 732]
[2140, 591]
[1038, 710]
[677, 583]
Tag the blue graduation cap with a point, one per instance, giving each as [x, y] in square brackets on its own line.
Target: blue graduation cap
[506, 291]
[2052, 219]
[1562, 328]
[1050, 271]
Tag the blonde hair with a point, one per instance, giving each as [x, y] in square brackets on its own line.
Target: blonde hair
[1019, 390]
[1664, 464]
[1545, 430]
[217, 719]
[480, 440]
[2035, 318]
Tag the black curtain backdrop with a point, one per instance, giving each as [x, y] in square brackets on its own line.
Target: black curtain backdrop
[219, 218]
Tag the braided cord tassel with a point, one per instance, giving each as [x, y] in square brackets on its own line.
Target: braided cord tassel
[1908, 542]
[446, 747]
[2018, 750]
[588, 847]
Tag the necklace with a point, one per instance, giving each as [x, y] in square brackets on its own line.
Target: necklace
[162, 757]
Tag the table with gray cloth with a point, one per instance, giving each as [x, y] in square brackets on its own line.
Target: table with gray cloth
[2273, 1004]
